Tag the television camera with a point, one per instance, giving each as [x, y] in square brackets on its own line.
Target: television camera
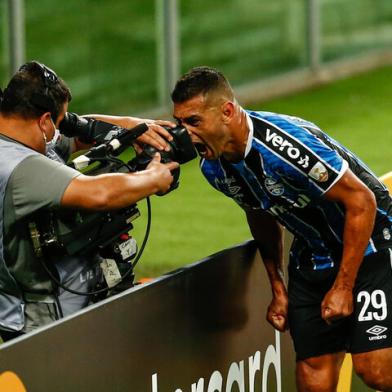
[82, 233]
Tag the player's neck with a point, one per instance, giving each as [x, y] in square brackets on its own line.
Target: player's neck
[235, 151]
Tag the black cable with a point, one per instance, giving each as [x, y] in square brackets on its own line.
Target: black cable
[147, 234]
[137, 258]
[59, 308]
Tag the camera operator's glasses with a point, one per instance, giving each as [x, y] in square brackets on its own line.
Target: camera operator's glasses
[49, 77]
[44, 101]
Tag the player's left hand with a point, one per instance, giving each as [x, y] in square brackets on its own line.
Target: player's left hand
[337, 304]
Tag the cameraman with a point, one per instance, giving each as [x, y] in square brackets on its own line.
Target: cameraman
[31, 109]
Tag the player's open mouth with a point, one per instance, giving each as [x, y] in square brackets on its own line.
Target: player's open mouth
[201, 149]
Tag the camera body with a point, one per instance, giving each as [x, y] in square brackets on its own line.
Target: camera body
[60, 233]
[80, 233]
[115, 140]
[92, 131]
[181, 151]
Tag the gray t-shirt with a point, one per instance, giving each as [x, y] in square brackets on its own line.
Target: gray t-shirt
[36, 183]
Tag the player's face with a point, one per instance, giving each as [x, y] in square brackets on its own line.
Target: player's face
[205, 124]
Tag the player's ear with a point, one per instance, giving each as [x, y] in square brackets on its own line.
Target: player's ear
[228, 111]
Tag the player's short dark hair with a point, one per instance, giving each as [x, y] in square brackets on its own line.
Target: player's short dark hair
[34, 90]
[199, 81]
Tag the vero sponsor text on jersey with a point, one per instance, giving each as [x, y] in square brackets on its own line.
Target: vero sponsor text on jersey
[292, 152]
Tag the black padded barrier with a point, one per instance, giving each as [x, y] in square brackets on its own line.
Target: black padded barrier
[198, 329]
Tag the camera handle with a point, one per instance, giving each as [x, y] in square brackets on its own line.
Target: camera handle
[117, 143]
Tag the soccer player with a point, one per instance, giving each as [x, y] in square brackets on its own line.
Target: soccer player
[285, 171]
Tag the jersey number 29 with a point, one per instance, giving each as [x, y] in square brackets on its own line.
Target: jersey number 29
[377, 300]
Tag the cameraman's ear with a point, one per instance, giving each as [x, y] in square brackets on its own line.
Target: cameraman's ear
[228, 111]
[45, 121]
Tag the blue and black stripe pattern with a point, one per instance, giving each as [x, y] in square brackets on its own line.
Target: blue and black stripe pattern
[291, 164]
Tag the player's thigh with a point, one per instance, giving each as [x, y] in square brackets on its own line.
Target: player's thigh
[319, 374]
[374, 367]
[311, 335]
[371, 327]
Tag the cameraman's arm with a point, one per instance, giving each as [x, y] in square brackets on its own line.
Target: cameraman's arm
[118, 190]
[156, 135]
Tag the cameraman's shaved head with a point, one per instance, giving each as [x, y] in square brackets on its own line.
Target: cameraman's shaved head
[204, 81]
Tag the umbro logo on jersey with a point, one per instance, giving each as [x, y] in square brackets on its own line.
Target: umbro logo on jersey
[229, 186]
[273, 186]
[292, 152]
[228, 183]
[377, 331]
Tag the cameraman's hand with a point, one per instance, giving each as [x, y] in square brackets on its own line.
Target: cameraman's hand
[155, 136]
[162, 173]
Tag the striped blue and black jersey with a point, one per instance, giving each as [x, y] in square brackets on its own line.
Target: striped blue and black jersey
[289, 164]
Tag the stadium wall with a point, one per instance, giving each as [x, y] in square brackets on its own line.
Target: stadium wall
[199, 329]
